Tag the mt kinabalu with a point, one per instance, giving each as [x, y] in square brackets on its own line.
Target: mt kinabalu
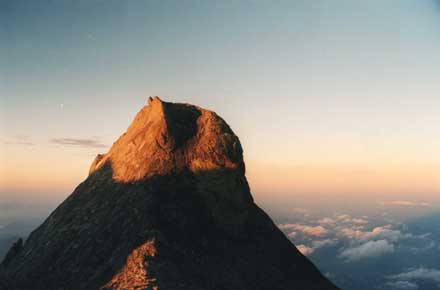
[168, 207]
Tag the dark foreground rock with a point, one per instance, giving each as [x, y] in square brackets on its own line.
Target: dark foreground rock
[168, 207]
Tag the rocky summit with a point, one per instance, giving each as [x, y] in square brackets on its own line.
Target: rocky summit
[167, 207]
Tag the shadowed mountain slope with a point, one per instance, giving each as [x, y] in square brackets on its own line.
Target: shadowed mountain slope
[167, 207]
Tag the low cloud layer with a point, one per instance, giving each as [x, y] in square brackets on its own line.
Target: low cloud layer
[354, 238]
[384, 244]
[86, 143]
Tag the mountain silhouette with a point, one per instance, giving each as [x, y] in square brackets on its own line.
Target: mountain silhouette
[167, 207]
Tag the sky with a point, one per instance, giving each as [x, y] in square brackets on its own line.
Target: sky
[332, 100]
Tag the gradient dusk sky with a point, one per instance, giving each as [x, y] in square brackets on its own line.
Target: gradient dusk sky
[331, 98]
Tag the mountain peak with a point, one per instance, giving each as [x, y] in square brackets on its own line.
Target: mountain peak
[167, 137]
[167, 207]
[154, 100]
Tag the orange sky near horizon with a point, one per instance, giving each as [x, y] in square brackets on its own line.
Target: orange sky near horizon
[25, 175]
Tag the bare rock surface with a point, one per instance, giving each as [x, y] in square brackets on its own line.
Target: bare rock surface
[167, 207]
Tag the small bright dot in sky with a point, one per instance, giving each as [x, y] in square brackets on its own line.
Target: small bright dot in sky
[61, 106]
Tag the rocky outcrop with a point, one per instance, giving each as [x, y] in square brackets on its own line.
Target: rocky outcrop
[167, 207]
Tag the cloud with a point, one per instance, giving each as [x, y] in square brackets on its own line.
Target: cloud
[20, 140]
[286, 226]
[343, 217]
[430, 245]
[323, 243]
[305, 250]
[424, 236]
[418, 274]
[406, 280]
[315, 231]
[346, 218]
[404, 285]
[326, 221]
[359, 221]
[329, 275]
[405, 203]
[292, 235]
[367, 250]
[383, 233]
[352, 233]
[86, 143]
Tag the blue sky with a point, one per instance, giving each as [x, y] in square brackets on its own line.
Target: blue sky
[328, 97]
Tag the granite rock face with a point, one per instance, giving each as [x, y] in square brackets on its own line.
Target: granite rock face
[167, 207]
